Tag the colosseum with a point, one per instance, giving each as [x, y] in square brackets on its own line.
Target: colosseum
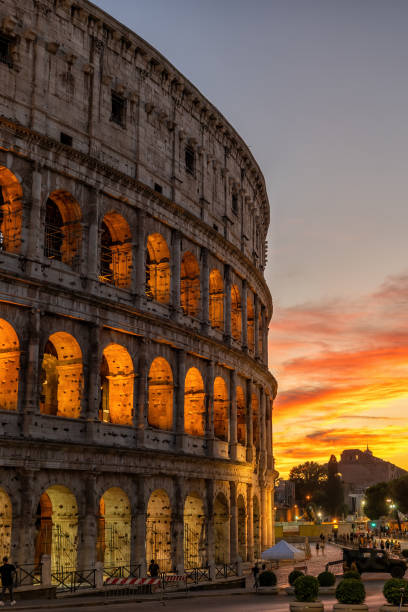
[135, 397]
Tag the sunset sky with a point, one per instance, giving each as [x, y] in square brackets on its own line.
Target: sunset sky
[319, 91]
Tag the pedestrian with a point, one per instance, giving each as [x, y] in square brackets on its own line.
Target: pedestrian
[8, 575]
[382, 545]
[387, 544]
[353, 567]
[154, 569]
[255, 573]
[321, 537]
[323, 546]
[317, 549]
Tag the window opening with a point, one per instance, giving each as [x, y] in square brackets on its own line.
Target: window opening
[158, 188]
[216, 299]
[62, 231]
[118, 109]
[190, 285]
[157, 269]
[11, 211]
[53, 231]
[234, 203]
[5, 51]
[65, 139]
[190, 159]
[220, 409]
[116, 251]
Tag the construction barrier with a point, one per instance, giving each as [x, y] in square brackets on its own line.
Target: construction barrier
[132, 581]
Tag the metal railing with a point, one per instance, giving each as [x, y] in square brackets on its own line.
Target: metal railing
[197, 575]
[226, 570]
[28, 575]
[73, 580]
[123, 571]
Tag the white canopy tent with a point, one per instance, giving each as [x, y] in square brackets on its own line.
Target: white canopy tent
[283, 550]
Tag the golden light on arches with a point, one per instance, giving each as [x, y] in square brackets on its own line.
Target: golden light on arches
[236, 315]
[195, 536]
[6, 518]
[221, 406]
[216, 292]
[62, 228]
[9, 366]
[113, 544]
[116, 250]
[117, 381]
[260, 333]
[255, 420]
[194, 403]
[158, 269]
[250, 323]
[160, 402]
[158, 530]
[11, 210]
[241, 415]
[190, 284]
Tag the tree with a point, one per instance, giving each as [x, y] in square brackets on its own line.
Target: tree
[399, 493]
[333, 500]
[375, 500]
[308, 478]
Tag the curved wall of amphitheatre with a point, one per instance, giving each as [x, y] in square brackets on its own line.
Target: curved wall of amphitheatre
[135, 397]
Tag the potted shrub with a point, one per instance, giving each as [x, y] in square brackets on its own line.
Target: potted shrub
[291, 579]
[306, 592]
[350, 594]
[326, 582]
[404, 553]
[395, 592]
[351, 574]
[268, 580]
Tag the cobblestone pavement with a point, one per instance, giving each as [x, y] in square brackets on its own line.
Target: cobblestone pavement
[315, 565]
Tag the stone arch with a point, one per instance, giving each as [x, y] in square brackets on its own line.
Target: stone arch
[257, 528]
[255, 421]
[194, 403]
[158, 530]
[57, 528]
[6, 518]
[116, 251]
[221, 529]
[216, 291]
[241, 415]
[9, 366]
[11, 210]
[62, 228]
[221, 405]
[236, 315]
[158, 272]
[61, 376]
[190, 284]
[113, 543]
[250, 323]
[260, 333]
[195, 538]
[160, 402]
[117, 381]
[242, 528]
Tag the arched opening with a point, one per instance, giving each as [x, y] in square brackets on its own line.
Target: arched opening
[62, 228]
[117, 378]
[250, 324]
[194, 403]
[57, 528]
[242, 532]
[236, 318]
[190, 284]
[9, 366]
[221, 529]
[257, 528]
[5, 524]
[220, 409]
[216, 289]
[157, 269]
[255, 421]
[61, 377]
[113, 543]
[11, 210]
[160, 410]
[241, 416]
[116, 250]
[195, 549]
[260, 334]
[158, 530]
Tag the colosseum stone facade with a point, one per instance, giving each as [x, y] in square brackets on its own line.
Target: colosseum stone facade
[135, 398]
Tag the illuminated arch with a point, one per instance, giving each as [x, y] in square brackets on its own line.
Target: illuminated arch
[190, 284]
[220, 409]
[11, 210]
[195, 550]
[241, 416]
[6, 519]
[158, 530]
[194, 403]
[117, 377]
[255, 421]
[221, 529]
[61, 376]
[160, 406]
[236, 315]
[57, 535]
[250, 324]
[216, 289]
[113, 543]
[62, 228]
[257, 528]
[116, 250]
[9, 366]
[260, 334]
[242, 528]
[158, 269]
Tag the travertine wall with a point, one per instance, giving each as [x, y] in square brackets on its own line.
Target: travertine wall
[134, 221]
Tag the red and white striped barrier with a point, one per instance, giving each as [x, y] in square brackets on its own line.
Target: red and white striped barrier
[131, 581]
[175, 578]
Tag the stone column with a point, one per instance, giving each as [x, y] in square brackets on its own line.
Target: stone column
[140, 411]
[227, 309]
[256, 326]
[233, 416]
[175, 271]
[209, 403]
[87, 526]
[244, 315]
[93, 376]
[138, 552]
[263, 520]
[250, 523]
[265, 336]
[35, 232]
[140, 260]
[29, 379]
[233, 523]
[249, 426]
[269, 519]
[179, 393]
[262, 420]
[205, 291]
[94, 234]
[209, 485]
[23, 531]
[177, 526]
[269, 405]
